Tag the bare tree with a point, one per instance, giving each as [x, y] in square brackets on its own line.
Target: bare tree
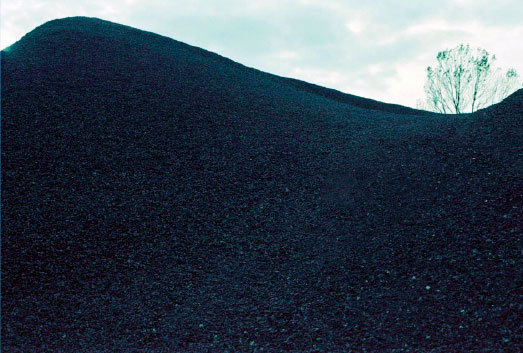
[465, 80]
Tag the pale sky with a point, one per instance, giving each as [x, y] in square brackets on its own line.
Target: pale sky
[377, 49]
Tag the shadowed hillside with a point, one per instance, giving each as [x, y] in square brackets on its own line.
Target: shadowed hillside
[157, 197]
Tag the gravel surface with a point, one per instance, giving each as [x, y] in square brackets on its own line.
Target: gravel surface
[157, 197]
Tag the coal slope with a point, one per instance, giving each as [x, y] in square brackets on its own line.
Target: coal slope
[161, 198]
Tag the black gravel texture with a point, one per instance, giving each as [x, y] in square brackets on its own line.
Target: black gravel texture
[157, 197]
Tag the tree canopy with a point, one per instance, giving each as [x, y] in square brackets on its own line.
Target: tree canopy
[465, 80]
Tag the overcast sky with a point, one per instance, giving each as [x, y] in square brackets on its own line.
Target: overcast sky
[377, 49]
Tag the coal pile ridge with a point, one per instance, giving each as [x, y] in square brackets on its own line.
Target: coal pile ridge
[157, 197]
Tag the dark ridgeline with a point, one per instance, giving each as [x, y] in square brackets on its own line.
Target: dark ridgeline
[161, 198]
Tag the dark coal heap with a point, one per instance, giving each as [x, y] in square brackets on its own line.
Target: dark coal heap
[157, 197]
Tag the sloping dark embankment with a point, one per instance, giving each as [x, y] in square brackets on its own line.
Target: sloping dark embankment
[157, 197]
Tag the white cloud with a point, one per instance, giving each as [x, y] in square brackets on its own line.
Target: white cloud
[355, 26]
[375, 69]
[285, 55]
